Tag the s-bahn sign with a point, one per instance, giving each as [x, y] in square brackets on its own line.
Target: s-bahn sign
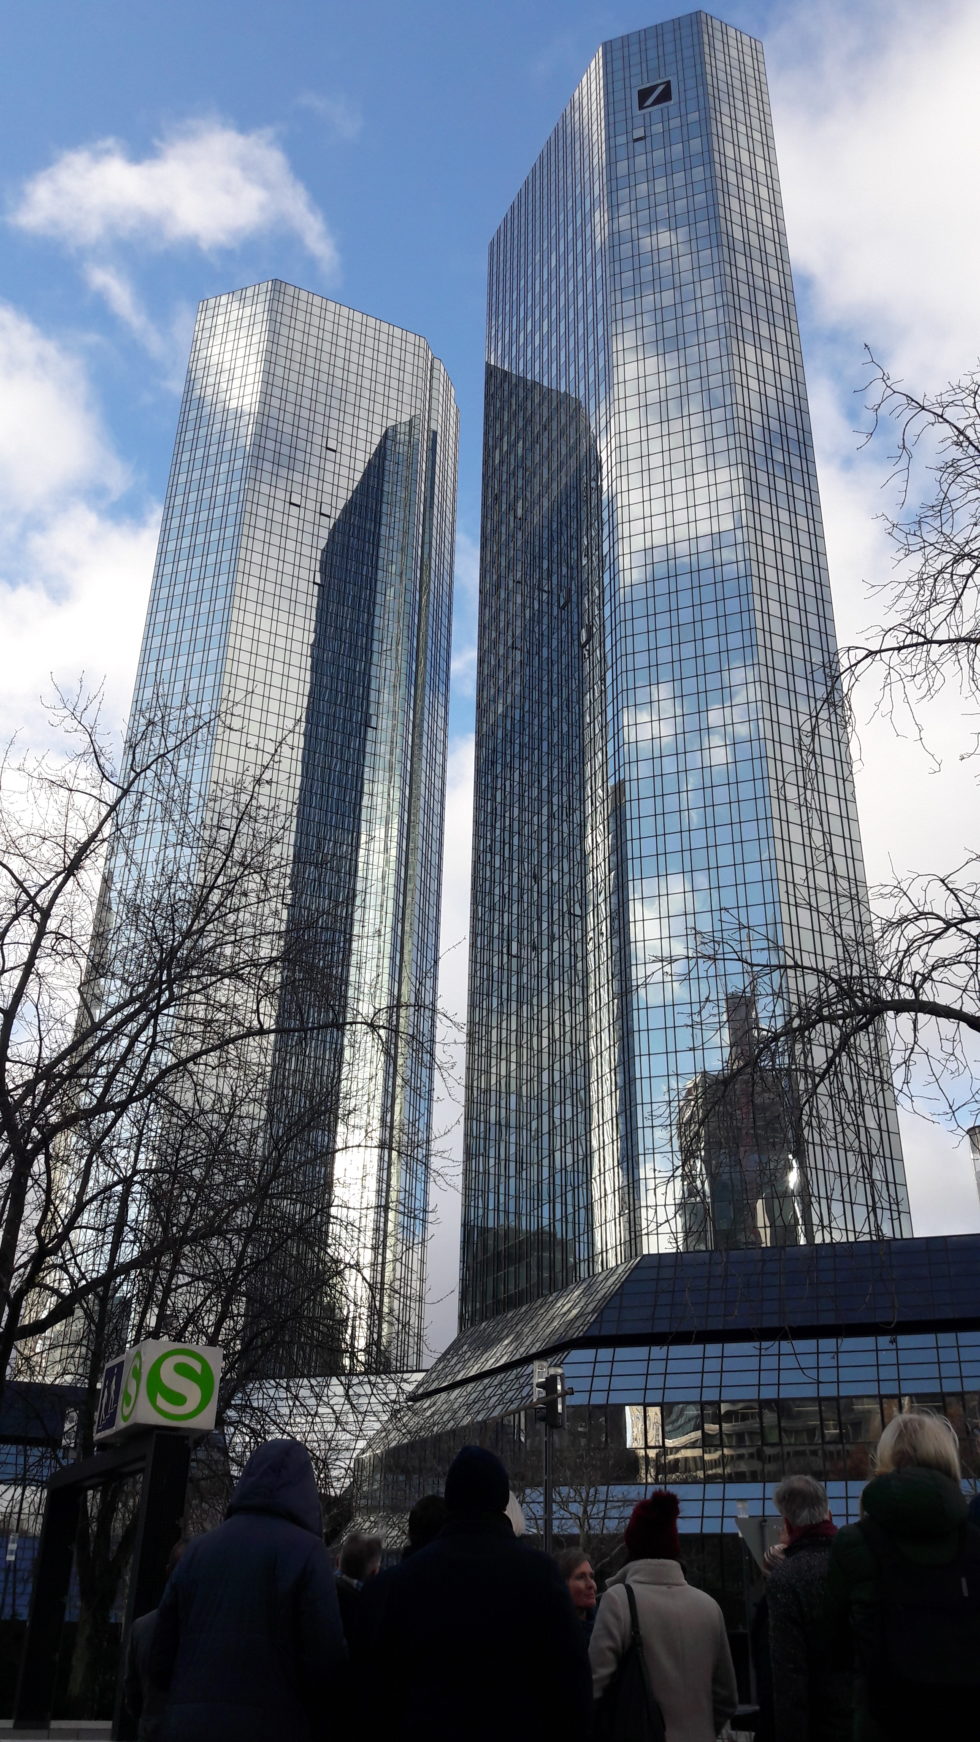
[159, 1384]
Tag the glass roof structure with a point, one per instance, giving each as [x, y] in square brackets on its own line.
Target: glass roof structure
[717, 1373]
[788, 1292]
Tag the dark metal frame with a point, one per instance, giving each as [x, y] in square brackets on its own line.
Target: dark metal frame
[162, 1457]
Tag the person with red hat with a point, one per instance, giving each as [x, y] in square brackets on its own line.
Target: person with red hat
[685, 1646]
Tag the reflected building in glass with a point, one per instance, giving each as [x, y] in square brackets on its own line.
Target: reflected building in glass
[301, 606]
[714, 1373]
[666, 843]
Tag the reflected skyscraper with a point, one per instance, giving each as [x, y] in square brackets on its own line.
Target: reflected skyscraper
[666, 845]
[301, 607]
[740, 1136]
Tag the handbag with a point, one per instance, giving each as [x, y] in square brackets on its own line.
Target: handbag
[628, 1710]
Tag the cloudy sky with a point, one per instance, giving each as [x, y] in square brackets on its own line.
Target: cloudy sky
[158, 154]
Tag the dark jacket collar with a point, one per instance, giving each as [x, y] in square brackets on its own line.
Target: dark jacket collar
[478, 1524]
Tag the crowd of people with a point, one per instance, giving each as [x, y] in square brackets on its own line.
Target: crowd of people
[869, 1632]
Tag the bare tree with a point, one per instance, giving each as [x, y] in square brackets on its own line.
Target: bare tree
[170, 1099]
[131, 970]
[170, 1093]
[590, 1458]
[913, 989]
[929, 633]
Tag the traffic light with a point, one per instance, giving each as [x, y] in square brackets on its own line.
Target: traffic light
[550, 1395]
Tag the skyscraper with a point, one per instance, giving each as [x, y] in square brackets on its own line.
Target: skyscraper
[300, 608]
[666, 846]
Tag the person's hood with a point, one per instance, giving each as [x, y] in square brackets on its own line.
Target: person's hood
[279, 1479]
[915, 1505]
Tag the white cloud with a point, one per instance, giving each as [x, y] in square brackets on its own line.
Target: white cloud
[208, 186]
[456, 878]
[878, 136]
[73, 599]
[443, 1255]
[51, 436]
[942, 1184]
[74, 572]
[342, 116]
[121, 298]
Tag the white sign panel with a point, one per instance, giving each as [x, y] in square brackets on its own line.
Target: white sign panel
[159, 1384]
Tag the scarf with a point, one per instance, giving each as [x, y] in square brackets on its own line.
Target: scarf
[811, 1532]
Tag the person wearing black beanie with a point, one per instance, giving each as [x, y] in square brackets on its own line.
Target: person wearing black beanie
[474, 1635]
[685, 1646]
[477, 1482]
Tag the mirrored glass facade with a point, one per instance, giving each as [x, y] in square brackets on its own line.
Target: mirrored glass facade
[301, 607]
[714, 1374]
[666, 845]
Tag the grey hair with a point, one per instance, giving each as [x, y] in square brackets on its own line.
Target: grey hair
[801, 1500]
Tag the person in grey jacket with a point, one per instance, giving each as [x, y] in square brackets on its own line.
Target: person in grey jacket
[689, 1664]
[812, 1701]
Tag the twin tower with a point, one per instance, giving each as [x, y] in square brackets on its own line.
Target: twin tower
[665, 841]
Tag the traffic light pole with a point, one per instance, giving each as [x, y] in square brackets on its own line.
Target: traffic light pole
[548, 1531]
[550, 1393]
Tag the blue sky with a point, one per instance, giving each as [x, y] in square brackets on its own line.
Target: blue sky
[159, 153]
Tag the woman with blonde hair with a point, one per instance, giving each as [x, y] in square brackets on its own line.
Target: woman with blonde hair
[903, 1589]
[919, 1440]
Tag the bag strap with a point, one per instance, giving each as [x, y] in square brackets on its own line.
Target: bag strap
[658, 1728]
[634, 1619]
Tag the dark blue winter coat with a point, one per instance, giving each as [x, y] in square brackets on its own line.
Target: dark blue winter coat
[473, 1639]
[248, 1643]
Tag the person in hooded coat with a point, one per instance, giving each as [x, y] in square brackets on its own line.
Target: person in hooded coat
[144, 1702]
[248, 1645]
[917, 1512]
[685, 1645]
[474, 1636]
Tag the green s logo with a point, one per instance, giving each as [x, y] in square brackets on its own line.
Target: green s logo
[180, 1385]
[131, 1389]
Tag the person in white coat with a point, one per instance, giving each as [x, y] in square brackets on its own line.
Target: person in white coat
[689, 1664]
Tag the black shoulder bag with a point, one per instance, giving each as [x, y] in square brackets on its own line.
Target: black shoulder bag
[628, 1711]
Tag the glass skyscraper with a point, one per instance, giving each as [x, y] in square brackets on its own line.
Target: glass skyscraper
[666, 850]
[301, 609]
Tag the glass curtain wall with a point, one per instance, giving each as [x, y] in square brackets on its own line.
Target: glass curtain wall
[666, 846]
[299, 622]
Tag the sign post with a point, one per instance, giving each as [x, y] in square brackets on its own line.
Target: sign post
[154, 1400]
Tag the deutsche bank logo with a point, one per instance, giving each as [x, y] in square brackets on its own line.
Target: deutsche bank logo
[651, 96]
